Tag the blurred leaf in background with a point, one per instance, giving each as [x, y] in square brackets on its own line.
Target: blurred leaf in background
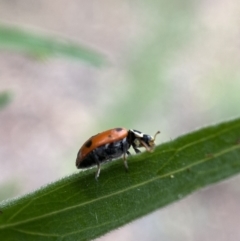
[13, 38]
[166, 29]
[173, 69]
[5, 98]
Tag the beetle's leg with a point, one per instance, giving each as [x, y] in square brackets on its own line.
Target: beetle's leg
[98, 171]
[95, 157]
[125, 152]
[136, 150]
[125, 161]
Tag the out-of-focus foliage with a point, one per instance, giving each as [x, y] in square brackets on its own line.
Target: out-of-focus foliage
[5, 98]
[20, 40]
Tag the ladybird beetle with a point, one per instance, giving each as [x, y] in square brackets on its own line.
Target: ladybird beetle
[112, 144]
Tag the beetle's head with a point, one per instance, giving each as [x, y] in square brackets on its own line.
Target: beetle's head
[143, 140]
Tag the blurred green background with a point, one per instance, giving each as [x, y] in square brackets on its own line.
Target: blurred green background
[172, 66]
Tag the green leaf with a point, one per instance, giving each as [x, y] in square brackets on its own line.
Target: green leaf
[19, 40]
[79, 208]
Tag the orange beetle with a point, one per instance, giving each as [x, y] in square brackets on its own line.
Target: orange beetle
[112, 144]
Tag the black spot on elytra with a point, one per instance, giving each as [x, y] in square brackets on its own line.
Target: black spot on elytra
[88, 144]
[109, 136]
[118, 129]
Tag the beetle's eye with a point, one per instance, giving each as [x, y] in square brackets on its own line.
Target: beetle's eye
[151, 141]
[150, 138]
[147, 138]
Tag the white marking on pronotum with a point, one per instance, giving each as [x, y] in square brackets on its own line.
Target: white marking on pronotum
[137, 133]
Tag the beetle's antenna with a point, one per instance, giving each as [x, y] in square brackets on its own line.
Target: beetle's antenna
[158, 132]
